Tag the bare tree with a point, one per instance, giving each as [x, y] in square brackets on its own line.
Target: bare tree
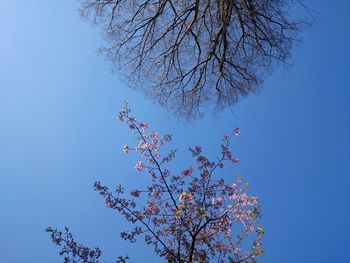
[190, 54]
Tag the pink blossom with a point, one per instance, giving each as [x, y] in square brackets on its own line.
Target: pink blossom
[216, 200]
[153, 135]
[144, 126]
[126, 148]
[144, 146]
[236, 131]
[135, 193]
[139, 165]
[235, 161]
[151, 209]
[185, 197]
[198, 149]
[187, 172]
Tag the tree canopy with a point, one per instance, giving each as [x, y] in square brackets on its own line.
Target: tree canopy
[193, 54]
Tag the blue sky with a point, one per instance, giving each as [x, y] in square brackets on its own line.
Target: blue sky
[58, 134]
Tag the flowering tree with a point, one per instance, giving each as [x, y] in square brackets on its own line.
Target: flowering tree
[193, 216]
[71, 250]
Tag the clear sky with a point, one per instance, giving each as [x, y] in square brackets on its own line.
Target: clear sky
[58, 134]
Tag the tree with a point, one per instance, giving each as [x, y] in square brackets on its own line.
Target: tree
[190, 54]
[190, 216]
[71, 250]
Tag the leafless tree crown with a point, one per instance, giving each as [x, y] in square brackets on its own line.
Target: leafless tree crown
[189, 54]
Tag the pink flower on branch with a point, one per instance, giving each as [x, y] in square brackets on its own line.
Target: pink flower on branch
[236, 131]
[186, 197]
[187, 172]
[126, 149]
[235, 161]
[135, 193]
[139, 165]
[144, 126]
